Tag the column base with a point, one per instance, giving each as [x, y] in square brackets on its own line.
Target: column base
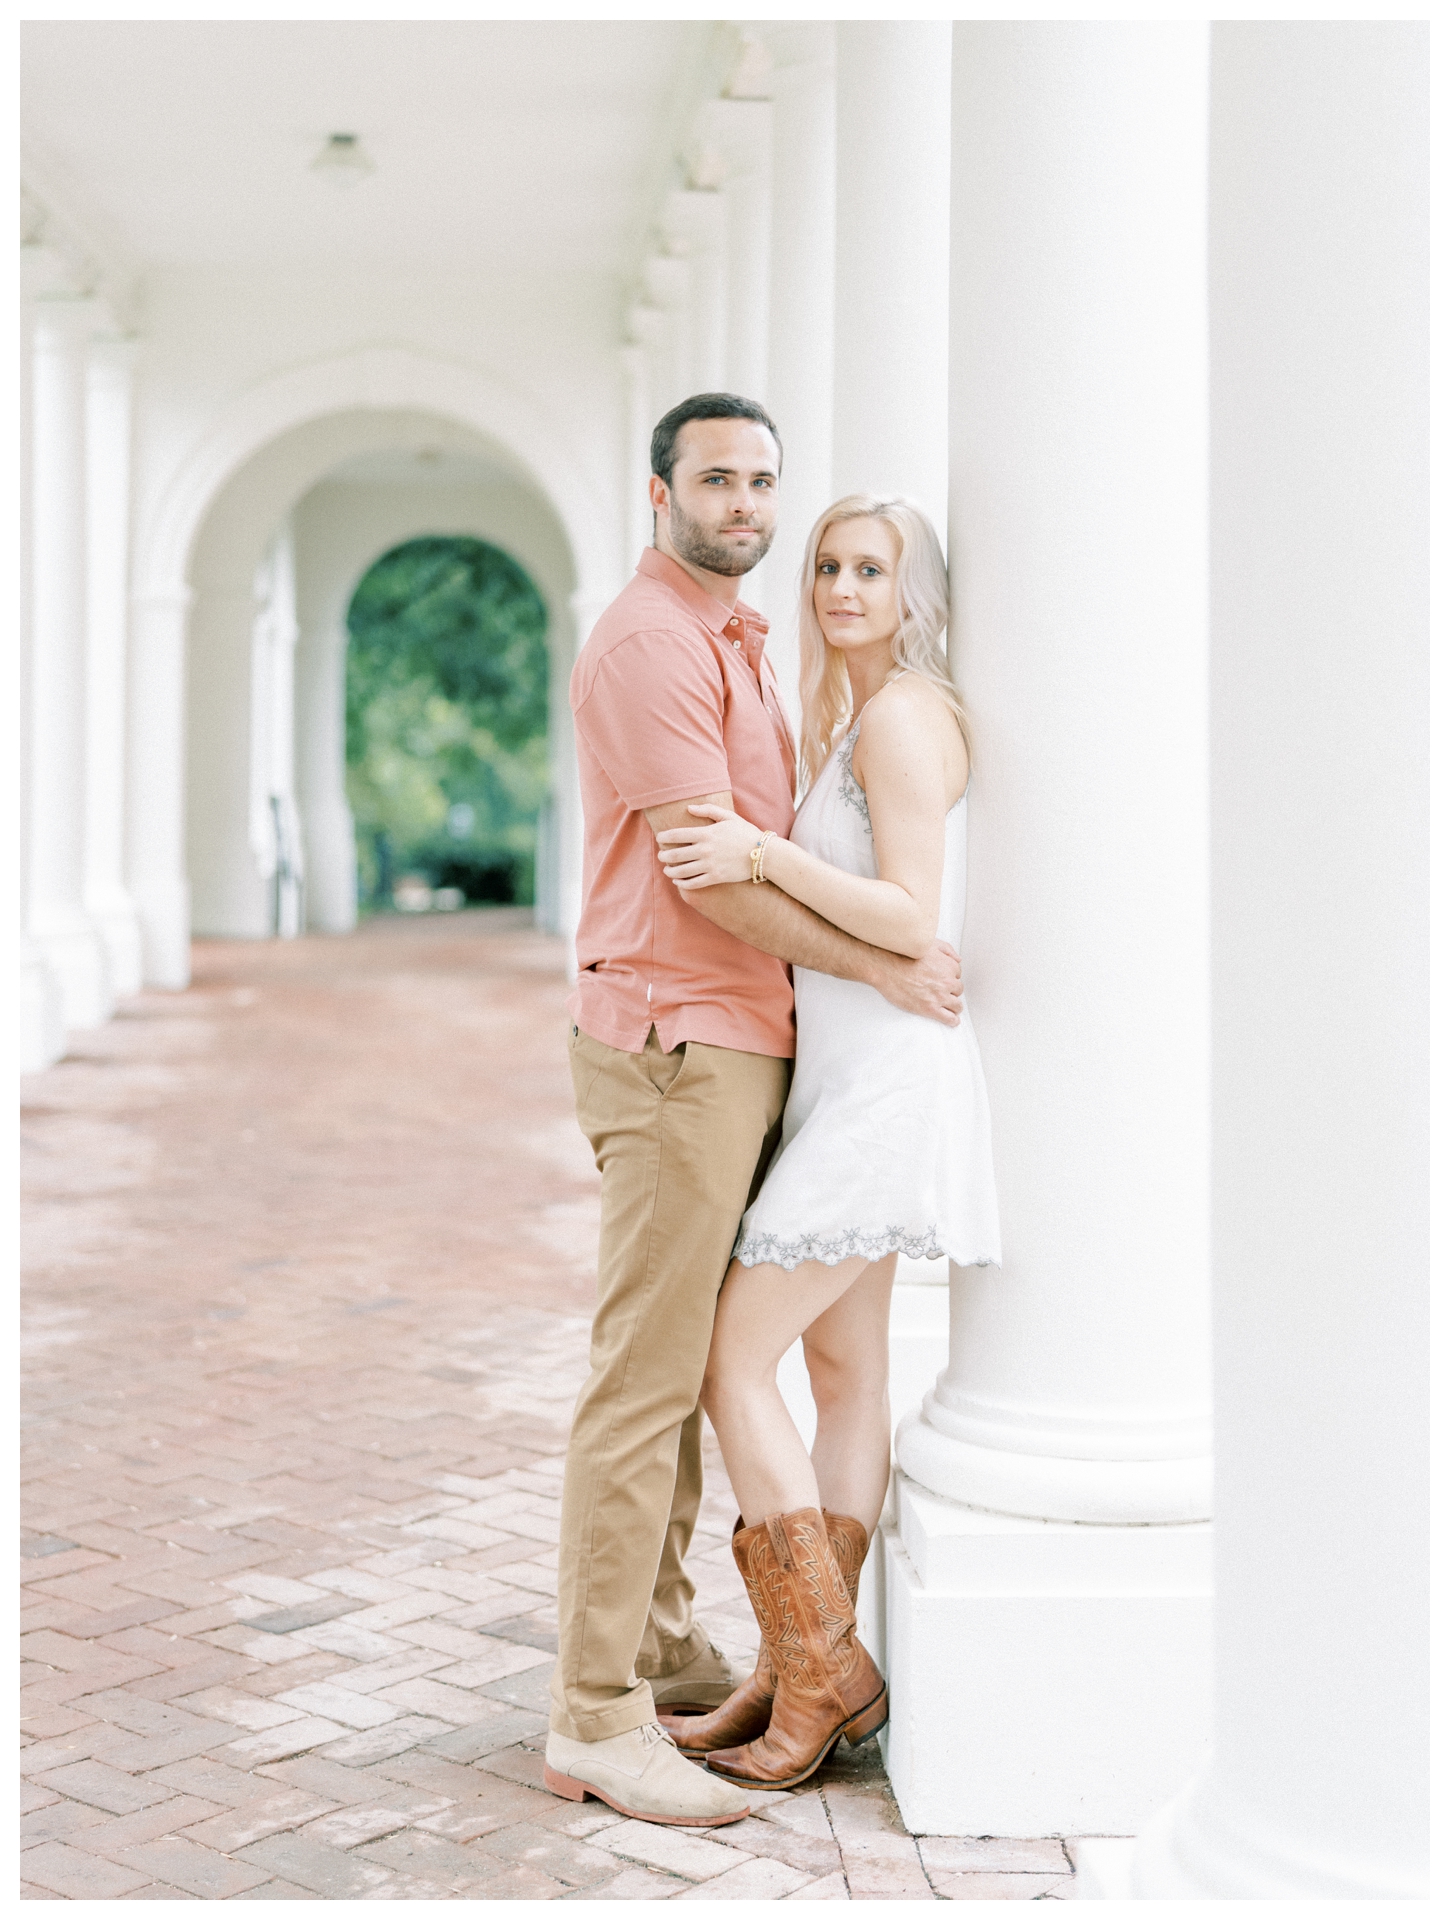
[115, 920]
[39, 1028]
[331, 866]
[1104, 1869]
[1101, 1491]
[1207, 1845]
[74, 953]
[164, 912]
[1046, 1677]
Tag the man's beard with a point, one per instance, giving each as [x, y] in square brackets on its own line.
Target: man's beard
[705, 548]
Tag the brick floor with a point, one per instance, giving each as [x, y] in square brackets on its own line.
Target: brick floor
[308, 1274]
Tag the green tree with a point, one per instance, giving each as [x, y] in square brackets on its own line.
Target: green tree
[447, 718]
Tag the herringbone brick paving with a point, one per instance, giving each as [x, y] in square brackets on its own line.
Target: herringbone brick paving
[309, 1267]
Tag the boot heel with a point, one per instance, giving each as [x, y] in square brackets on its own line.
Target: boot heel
[564, 1785]
[868, 1720]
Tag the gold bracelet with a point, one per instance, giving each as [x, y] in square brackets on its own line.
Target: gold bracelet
[757, 858]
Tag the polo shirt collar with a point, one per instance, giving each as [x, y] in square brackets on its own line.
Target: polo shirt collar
[715, 614]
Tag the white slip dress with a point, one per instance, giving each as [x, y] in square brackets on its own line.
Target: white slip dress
[886, 1139]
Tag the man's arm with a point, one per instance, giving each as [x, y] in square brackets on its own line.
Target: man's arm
[764, 917]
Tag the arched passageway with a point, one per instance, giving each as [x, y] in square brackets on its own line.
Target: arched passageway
[447, 688]
[275, 566]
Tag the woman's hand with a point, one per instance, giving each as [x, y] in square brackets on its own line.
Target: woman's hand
[708, 856]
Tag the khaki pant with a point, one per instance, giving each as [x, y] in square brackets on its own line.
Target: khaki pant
[682, 1140]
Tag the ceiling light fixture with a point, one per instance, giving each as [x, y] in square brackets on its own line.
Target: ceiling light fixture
[342, 160]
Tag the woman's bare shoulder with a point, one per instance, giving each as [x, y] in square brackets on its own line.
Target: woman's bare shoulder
[908, 731]
[906, 712]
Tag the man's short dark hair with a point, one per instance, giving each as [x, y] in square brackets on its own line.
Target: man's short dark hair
[663, 446]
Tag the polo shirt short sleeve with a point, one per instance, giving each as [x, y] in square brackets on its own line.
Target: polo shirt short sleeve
[655, 721]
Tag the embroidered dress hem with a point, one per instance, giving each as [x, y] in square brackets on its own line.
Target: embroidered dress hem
[852, 1243]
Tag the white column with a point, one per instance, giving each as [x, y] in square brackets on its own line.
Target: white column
[156, 784]
[639, 420]
[39, 1027]
[59, 923]
[1319, 1785]
[694, 219]
[274, 827]
[328, 832]
[798, 389]
[1050, 1676]
[667, 281]
[584, 609]
[893, 183]
[739, 133]
[108, 605]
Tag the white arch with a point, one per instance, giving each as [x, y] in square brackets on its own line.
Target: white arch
[375, 380]
[379, 379]
[334, 550]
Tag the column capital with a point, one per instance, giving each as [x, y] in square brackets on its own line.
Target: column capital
[69, 319]
[644, 325]
[799, 50]
[113, 355]
[692, 219]
[751, 75]
[734, 135]
[43, 271]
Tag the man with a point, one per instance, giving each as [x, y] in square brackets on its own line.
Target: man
[681, 1038]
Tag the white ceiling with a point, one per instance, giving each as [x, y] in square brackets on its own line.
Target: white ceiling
[521, 146]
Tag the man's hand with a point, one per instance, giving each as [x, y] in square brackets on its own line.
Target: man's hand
[930, 986]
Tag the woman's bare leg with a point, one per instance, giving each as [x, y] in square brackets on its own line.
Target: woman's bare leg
[762, 1312]
[847, 1354]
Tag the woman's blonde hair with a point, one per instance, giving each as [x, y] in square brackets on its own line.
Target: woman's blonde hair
[922, 605]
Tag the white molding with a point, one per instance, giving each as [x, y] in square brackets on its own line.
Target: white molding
[1131, 1492]
[94, 262]
[376, 378]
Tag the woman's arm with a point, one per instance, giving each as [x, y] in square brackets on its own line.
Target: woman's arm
[901, 771]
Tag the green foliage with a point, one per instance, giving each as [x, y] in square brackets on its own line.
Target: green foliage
[447, 712]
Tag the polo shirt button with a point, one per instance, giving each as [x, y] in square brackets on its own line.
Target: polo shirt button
[735, 643]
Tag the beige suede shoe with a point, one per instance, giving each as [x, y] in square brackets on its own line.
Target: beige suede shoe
[705, 1683]
[642, 1774]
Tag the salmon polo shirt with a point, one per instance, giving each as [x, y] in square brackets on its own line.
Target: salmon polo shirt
[673, 697]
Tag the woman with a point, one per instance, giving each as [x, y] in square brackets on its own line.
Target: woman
[885, 1146]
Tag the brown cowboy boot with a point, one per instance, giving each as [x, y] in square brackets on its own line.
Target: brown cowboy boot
[746, 1714]
[826, 1684]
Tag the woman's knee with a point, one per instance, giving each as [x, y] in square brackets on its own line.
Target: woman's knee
[731, 1379]
[844, 1378]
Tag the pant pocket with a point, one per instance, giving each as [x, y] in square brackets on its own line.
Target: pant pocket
[663, 1068]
